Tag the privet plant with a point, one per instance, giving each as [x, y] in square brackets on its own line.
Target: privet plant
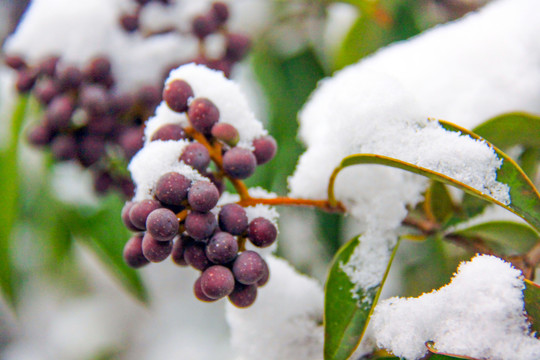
[411, 163]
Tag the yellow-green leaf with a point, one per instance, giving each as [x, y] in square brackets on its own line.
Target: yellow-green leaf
[532, 304]
[517, 128]
[436, 355]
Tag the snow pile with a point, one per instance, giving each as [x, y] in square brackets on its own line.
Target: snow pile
[284, 323]
[479, 314]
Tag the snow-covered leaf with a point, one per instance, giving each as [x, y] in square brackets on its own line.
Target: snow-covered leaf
[9, 194]
[532, 304]
[435, 355]
[346, 309]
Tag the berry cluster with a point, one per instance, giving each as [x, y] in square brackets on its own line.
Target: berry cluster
[86, 119]
[212, 22]
[183, 219]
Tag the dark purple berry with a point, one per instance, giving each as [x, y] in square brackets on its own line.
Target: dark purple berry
[139, 212]
[223, 65]
[196, 156]
[195, 256]
[91, 150]
[221, 248]
[180, 244]
[239, 163]
[226, 133]
[220, 12]
[131, 140]
[233, 219]
[26, 80]
[69, 77]
[149, 96]
[133, 254]
[64, 147]
[237, 47]
[204, 25]
[199, 293]
[98, 70]
[125, 216]
[94, 100]
[48, 66]
[266, 275]
[265, 149]
[248, 268]
[103, 181]
[162, 224]
[155, 251]
[261, 232]
[45, 90]
[172, 188]
[176, 95]
[217, 281]
[243, 295]
[200, 226]
[59, 111]
[39, 135]
[129, 22]
[101, 125]
[169, 132]
[120, 104]
[203, 196]
[126, 186]
[203, 115]
[15, 62]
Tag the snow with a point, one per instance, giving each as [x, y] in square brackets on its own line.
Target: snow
[285, 322]
[479, 314]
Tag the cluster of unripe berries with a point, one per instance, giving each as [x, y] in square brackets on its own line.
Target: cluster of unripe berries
[182, 219]
[213, 21]
[85, 118]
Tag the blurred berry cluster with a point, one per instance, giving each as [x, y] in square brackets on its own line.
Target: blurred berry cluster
[183, 219]
[214, 21]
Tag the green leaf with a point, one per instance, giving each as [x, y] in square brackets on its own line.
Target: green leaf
[346, 317]
[9, 194]
[529, 161]
[511, 129]
[436, 355]
[438, 203]
[532, 305]
[104, 233]
[504, 237]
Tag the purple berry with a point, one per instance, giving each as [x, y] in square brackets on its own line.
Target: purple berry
[239, 163]
[233, 219]
[248, 268]
[180, 244]
[26, 80]
[199, 293]
[45, 90]
[266, 275]
[69, 77]
[155, 251]
[162, 224]
[94, 100]
[196, 156]
[220, 12]
[203, 115]
[200, 226]
[59, 111]
[15, 62]
[131, 140]
[39, 135]
[203, 196]
[204, 25]
[98, 70]
[64, 147]
[169, 132]
[47, 66]
[261, 232]
[91, 150]
[139, 212]
[133, 254]
[149, 96]
[217, 281]
[176, 94]
[226, 133]
[265, 149]
[237, 47]
[243, 295]
[221, 248]
[103, 181]
[195, 255]
[125, 216]
[172, 188]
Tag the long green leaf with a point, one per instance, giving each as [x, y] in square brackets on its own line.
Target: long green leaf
[346, 317]
[532, 304]
[9, 193]
[507, 130]
[436, 355]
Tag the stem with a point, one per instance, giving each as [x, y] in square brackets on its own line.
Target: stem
[283, 200]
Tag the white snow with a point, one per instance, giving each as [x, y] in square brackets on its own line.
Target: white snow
[479, 314]
[285, 322]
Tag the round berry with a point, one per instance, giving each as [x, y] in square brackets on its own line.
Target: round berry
[133, 254]
[48, 66]
[248, 268]
[261, 232]
[98, 70]
[195, 255]
[94, 99]
[64, 147]
[199, 293]
[233, 219]
[196, 156]
[169, 132]
[176, 94]
[26, 79]
[149, 96]
[91, 149]
[162, 224]
[103, 181]
[203, 26]
[45, 90]
[265, 149]
[203, 114]
[221, 248]
[179, 247]
[172, 188]
[155, 251]
[69, 77]
[39, 135]
[266, 275]
[15, 62]
[220, 12]
[226, 133]
[237, 47]
[243, 295]
[131, 140]
[125, 216]
[217, 281]
[239, 163]
[59, 111]
[200, 226]
[203, 196]
[139, 212]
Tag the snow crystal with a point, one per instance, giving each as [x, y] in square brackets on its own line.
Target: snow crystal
[284, 323]
[479, 314]
[154, 160]
[228, 97]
